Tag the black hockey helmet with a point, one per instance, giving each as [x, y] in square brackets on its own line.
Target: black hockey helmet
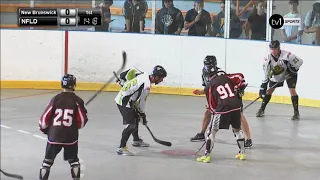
[68, 81]
[159, 71]
[210, 70]
[210, 60]
[274, 44]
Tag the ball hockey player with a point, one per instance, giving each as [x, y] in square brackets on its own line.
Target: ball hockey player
[61, 121]
[225, 107]
[125, 77]
[131, 101]
[212, 61]
[276, 67]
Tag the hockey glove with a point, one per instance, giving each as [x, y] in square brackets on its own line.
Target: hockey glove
[144, 121]
[263, 90]
[240, 90]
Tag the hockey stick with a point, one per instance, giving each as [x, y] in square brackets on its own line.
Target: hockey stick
[286, 77]
[165, 143]
[12, 175]
[124, 57]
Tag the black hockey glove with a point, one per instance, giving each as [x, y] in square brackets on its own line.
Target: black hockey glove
[263, 90]
[240, 91]
[144, 121]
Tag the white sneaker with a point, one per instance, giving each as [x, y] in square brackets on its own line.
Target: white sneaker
[140, 143]
[124, 151]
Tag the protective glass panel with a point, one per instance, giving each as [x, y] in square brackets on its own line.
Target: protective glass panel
[253, 19]
[301, 22]
[239, 13]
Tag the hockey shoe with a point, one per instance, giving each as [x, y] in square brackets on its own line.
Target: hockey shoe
[248, 144]
[124, 151]
[140, 143]
[260, 113]
[204, 158]
[198, 137]
[296, 116]
[241, 156]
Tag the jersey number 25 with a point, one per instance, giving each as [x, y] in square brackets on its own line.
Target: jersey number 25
[225, 91]
[63, 117]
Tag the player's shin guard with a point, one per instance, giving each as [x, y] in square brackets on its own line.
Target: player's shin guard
[295, 103]
[75, 169]
[126, 134]
[265, 101]
[45, 169]
[240, 140]
[210, 141]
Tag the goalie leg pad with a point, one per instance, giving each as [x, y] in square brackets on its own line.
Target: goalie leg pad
[75, 169]
[45, 169]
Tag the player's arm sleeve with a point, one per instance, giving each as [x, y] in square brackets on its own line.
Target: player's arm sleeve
[131, 74]
[294, 63]
[46, 116]
[238, 80]
[210, 99]
[266, 71]
[123, 75]
[142, 98]
[81, 116]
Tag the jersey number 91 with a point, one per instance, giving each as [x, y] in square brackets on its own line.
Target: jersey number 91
[225, 91]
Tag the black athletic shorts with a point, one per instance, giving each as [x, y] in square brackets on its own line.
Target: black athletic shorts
[291, 82]
[128, 115]
[223, 121]
[70, 151]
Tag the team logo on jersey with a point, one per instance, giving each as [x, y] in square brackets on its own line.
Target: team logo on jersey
[277, 70]
[167, 19]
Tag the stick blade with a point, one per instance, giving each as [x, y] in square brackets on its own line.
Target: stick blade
[165, 143]
[124, 58]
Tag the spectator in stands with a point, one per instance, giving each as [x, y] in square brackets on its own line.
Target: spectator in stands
[256, 25]
[293, 33]
[134, 12]
[169, 20]
[145, 12]
[105, 6]
[312, 23]
[218, 23]
[198, 20]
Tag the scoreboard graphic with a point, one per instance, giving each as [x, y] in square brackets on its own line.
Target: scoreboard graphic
[59, 17]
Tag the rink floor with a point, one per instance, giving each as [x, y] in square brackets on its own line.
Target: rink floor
[283, 149]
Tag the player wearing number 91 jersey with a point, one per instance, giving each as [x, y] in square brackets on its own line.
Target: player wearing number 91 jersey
[61, 120]
[225, 106]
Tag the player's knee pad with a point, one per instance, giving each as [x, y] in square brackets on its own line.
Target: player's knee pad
[75, 169]
[45, 169]
[239, 134]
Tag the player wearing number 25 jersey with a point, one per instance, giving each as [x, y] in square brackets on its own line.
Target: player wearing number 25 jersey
[225, 106]
[61, 120]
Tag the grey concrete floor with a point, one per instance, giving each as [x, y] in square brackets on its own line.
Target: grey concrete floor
[283, 149]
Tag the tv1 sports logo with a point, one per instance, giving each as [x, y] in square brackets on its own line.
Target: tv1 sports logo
[276, 21]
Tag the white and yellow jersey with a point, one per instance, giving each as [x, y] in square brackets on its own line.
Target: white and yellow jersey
[134, 93]
[275, 69]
